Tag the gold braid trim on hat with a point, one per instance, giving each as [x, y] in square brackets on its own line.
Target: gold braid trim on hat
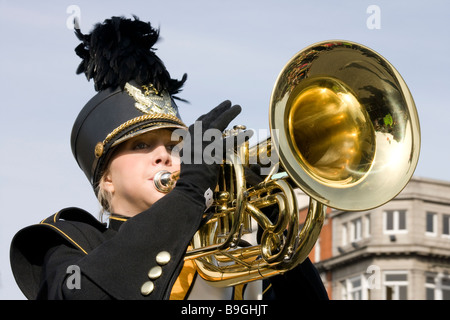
[99, 148]
[156, 106]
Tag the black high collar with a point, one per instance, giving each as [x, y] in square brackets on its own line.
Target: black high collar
[116, 220]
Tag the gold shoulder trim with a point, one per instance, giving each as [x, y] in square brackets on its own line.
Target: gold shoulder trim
[64, 234]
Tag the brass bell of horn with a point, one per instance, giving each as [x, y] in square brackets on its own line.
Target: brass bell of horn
[347, 128]
[346, 131]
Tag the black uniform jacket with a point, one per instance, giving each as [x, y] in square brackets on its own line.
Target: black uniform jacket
[114, 262]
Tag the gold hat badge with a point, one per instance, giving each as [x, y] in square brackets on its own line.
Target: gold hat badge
[151, 101]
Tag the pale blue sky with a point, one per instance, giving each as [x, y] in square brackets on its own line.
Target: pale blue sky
[230, 49]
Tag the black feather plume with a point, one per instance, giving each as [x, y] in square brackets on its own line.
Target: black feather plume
[120, 50]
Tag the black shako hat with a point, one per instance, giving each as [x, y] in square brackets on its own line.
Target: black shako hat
[135, 91]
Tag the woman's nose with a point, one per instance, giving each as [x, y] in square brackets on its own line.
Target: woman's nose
[162, 156]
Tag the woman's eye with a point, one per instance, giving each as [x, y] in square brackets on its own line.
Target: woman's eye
[172, 148]
[140, 146]
[176, 146]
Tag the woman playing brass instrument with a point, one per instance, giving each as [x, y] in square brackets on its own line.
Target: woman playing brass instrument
[120, 140]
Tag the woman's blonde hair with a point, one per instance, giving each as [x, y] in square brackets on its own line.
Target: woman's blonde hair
[104, 197]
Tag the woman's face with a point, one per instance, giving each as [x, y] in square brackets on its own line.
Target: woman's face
[129, 177]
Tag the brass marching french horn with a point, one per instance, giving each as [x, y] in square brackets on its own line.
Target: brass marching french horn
[346, 131]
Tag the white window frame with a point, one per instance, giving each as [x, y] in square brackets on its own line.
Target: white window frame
[367, 226]
[356, 230]
[443, 287]
[395, 284]
[444, 216]
[434, 222]
[317, 251]
[439, 285]
[350, 291]
[430, 286]
[344, 234]
[396, 221]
